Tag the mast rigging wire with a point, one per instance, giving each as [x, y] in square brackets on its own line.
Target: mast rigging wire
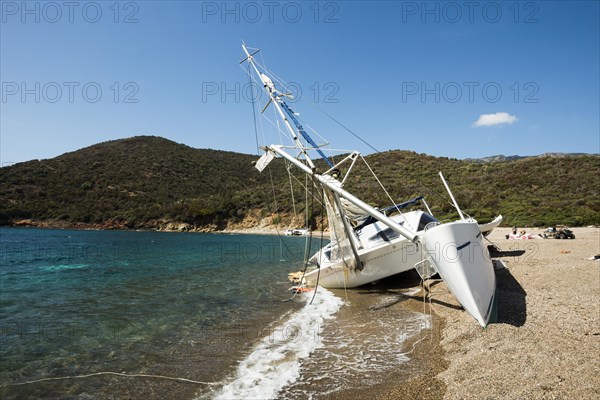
[279, 80]
[379, 152]
[253, 112]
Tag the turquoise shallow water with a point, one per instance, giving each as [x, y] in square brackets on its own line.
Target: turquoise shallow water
[176, 304]
[211, 308]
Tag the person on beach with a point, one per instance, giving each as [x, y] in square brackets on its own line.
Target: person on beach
[514, 230]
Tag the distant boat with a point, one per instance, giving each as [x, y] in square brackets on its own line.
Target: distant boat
[297, 232]
[366, 243]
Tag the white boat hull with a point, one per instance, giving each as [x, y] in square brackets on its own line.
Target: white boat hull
[378, 263]
[459, 255]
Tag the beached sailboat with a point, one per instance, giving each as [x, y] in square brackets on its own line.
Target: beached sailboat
[366, 243]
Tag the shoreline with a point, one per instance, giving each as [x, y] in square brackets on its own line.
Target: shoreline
[387, 364]
[232, 229]
[418, 377]
[168, 227]
[273, 231]
[543, 345]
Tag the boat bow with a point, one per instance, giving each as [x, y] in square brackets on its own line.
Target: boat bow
[458, 254]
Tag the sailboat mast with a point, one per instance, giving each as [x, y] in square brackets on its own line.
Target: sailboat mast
[328, 181]
[274, 98]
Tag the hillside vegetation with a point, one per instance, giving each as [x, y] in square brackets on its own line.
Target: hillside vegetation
[145, 182]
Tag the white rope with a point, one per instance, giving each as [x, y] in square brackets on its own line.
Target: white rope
[59, 378]
[414, 345]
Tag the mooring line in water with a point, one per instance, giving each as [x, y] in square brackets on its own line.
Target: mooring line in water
[414, 345]
[109, 373]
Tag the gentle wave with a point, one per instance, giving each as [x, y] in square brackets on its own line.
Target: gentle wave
[275, 362]
[62, 267]
[366, 344]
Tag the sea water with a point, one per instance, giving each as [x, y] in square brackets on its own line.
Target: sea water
[158, 308]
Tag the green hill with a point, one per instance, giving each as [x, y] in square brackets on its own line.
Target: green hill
[145, 182]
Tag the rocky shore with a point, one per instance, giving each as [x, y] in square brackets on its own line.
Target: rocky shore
[263, 228]
[254, 222]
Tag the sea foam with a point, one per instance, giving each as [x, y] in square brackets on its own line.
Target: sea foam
[62, 267]
[275, 362]
[365, 346]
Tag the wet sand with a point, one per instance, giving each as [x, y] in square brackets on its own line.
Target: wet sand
[417, 378]
[372, 312]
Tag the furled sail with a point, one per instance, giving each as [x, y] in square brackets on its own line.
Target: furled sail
[354, 213]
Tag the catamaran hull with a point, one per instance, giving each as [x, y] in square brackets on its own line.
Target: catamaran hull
[378, 263]
[459, 255]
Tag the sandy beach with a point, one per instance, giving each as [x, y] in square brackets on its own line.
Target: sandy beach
[544, 345]
[546, 342]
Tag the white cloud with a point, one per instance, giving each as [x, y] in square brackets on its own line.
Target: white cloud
[494, 119]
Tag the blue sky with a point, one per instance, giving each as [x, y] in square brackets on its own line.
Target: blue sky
[454, 79]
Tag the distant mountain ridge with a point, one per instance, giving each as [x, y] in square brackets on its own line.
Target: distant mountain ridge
[149, 182]
[503, 158]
